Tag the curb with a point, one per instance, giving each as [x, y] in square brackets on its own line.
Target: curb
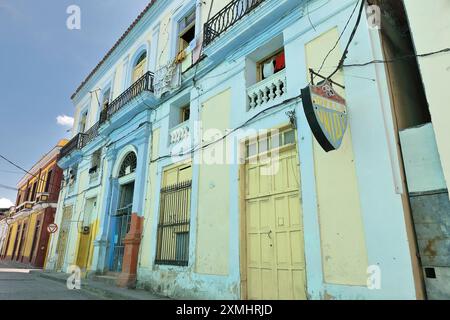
[85, 286]
[91, 287]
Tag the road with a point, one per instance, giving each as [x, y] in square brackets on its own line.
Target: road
[25, 284]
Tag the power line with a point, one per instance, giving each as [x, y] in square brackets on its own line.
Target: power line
[7, 187]
[339, 39]
[405, 57]
[201, 147]
[26, 171]
[355, 28]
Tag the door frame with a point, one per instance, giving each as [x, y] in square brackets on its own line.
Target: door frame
[242, 201]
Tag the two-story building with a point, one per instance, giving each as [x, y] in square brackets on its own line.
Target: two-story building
[38, 191]
[226, 150]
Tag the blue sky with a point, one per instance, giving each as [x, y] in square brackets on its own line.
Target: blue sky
[41, 64]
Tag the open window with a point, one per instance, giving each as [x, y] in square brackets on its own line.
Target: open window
[95, 162]
[83, 122]
[72, 176]
[185, 113]
[48, 181]
[106, 97]
[271, 65]
[186, 31]
[33, 192]
[139, 67]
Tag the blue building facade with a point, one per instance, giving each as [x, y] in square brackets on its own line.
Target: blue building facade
[168, 185]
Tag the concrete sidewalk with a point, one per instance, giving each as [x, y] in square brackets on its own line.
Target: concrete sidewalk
[102, 288]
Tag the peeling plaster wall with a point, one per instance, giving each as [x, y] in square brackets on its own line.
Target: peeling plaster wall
[430, 28]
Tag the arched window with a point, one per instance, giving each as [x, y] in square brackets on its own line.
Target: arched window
[139, 67]
[129, 164]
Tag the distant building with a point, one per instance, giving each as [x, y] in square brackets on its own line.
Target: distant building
[38, 191]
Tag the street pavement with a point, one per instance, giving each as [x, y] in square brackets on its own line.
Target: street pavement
[26, 284]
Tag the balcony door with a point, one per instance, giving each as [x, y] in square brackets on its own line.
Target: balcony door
[139, 67]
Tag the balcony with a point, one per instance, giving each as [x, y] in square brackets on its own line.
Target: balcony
[74, 144]
[81, 140]
[244, 23]
[227, 17]
[89, 135]
[267, 92]
[143, 84]
[25, 206]
[179, 133]
[42, 197]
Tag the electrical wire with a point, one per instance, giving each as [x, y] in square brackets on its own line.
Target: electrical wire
[26, 171]
[405, 57]
[202, 147]
[3, 186]
[339, 39]
[352, 36]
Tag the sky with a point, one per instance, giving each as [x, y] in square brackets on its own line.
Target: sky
[42, 63]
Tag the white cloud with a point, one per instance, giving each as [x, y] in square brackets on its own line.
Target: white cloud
[64, 121]
[5, 203]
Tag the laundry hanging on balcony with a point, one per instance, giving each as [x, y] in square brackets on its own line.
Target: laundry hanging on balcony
[167, 78]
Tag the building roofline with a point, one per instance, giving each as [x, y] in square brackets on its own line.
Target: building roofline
[118, 42]
[44, 161]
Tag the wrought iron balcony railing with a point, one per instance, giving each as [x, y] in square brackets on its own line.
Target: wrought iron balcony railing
[145, 83]
[227, 17]
[89, 135]
[72, 145]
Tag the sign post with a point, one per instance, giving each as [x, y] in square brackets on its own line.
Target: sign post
[326, 112]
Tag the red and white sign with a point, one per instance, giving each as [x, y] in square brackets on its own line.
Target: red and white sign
[52, 228]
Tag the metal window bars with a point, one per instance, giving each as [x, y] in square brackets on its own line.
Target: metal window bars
[122, 222]
[174, 224]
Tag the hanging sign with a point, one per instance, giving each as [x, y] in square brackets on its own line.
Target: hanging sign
[327, 115]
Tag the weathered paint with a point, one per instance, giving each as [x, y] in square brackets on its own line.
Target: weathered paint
[214, 191]
[424, 20]
[343, 243]
[373, 175]
[422, 162]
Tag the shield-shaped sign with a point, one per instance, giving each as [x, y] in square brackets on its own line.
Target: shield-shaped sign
[327, 115]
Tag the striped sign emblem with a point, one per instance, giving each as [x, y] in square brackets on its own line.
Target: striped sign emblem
[327, 116]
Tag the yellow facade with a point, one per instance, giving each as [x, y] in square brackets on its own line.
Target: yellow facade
[214, 192]
[344, 250]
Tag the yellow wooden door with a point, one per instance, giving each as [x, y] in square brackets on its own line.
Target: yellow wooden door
[139, 70]
[63, 237]
[274, 230]
[83, 250]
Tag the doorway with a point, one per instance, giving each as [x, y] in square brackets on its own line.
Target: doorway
[63, 237]
[121, 224]
[273, 221]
